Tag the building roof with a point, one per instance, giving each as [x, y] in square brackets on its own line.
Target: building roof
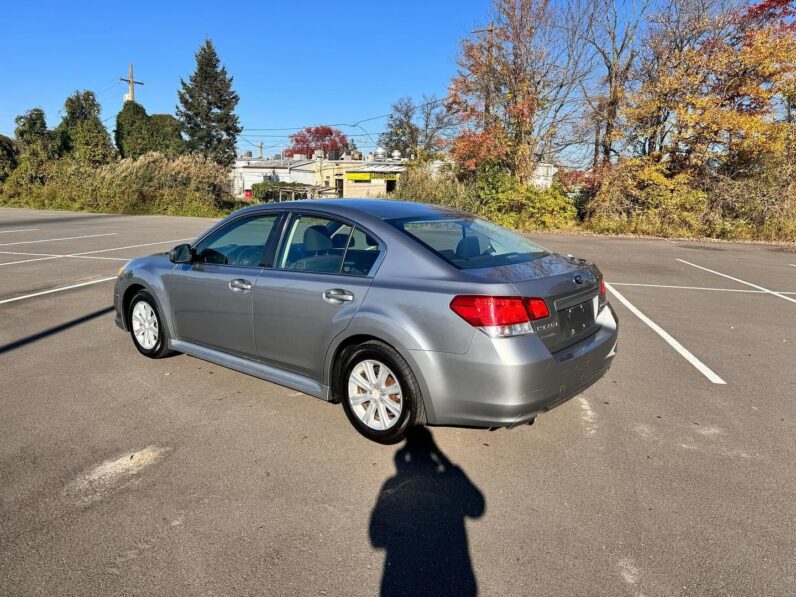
[386, 168]
[271, 164]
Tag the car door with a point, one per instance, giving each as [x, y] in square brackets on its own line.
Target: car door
[320, 278]
[212, 297]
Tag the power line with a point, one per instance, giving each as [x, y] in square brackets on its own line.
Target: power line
[352, 125]
[266, 136]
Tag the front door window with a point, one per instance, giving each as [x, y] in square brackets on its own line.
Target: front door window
[241, 243]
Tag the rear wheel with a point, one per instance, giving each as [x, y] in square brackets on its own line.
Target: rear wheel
[146, 328]
[381, 396]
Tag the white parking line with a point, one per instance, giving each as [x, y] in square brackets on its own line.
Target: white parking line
[779, 294]
[27, 296]
[160, 242]
[690, 287]
[22, 230]
[84, 254]
[682, 350]
[55, 255]
[49, 240]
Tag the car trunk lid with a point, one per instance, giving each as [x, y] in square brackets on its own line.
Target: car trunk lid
[571, 289]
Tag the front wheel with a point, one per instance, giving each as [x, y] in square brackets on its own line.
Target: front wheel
[381, 396]
[146, 327]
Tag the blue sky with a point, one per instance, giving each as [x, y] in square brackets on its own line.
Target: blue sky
[294, 63]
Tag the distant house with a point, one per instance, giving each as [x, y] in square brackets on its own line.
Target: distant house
[543, 175]
[323, 177]
[348, 176]
[373, 179]
[248, 171]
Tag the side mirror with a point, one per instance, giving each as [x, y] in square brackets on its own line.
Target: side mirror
[181, 254]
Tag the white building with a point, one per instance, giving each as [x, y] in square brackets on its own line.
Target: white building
[543, 175]
[248, 171]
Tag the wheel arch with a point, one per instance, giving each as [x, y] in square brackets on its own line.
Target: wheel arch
[336, 356]
[127, 298]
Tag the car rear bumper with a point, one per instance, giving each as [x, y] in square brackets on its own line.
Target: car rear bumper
[508, 381]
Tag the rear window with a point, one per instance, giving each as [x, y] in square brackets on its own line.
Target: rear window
[469, 243]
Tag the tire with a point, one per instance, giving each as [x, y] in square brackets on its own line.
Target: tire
[367, 410]
[143, 314]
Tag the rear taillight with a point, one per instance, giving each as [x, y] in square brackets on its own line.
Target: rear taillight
[537, 308]
[602, 287]
[500, 316]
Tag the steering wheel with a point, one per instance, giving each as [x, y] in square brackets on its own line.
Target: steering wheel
[249, 256]
[244, 255]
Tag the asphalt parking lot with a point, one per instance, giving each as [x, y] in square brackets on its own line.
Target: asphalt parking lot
[119, 475]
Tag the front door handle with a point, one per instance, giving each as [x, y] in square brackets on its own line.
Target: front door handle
[337, 296]
[240, 285]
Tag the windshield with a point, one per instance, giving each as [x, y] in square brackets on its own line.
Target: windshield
[469, 242]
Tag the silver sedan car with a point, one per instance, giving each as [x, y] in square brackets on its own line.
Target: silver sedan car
[408, 314]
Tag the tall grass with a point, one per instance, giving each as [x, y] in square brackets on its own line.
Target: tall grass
[151, 184]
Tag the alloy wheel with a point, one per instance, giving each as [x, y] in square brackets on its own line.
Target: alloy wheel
[375, 395]
[145, 325]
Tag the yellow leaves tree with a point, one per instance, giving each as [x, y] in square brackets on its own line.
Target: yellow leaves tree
[715, 103]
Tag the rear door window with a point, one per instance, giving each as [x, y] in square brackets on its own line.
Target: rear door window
[363, 250]
[325, 245]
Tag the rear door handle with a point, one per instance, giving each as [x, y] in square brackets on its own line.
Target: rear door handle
[240, 285]
[337, 296]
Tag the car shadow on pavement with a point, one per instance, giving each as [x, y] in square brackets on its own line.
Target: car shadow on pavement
[419, 519]
[53, 330]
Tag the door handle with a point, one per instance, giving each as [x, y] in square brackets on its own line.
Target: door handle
[337, 296]
[240, 285]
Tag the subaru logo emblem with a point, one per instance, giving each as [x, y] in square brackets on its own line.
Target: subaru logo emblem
[578, 279]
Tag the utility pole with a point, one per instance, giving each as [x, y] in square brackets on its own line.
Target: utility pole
[131, 82]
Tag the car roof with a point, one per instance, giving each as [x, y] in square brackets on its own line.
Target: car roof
[384, 209]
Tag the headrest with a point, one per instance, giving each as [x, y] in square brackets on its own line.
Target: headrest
[338, 241]
[468, 247]
[316, 239]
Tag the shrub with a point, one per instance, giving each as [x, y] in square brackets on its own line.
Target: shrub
[494, 194]
[640, 196]
[637, 197]
[151, 184]
[269, 190]
[421, 184]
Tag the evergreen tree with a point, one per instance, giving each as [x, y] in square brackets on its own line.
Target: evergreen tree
[36, 145]
[166, 136]
[31, 128]
[79, 107]
[206, 111]
[138, 133]
[8, 156]
[132, 134]
[91, 143]
[81, 132]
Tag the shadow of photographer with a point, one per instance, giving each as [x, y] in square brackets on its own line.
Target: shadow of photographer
[419, 519]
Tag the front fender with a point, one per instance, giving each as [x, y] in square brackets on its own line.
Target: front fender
[153, 275]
